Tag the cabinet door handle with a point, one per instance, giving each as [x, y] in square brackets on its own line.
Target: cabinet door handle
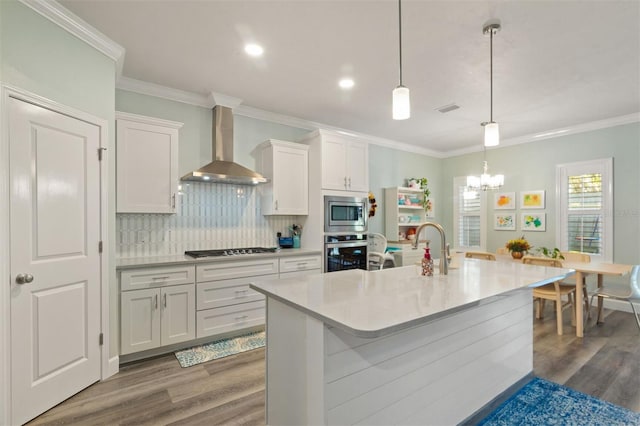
[164, 300]
[241, 317]
[349, 183]
[156, 298]
[345, 182]
[302, 265]
[241, 293]
[276, 204]
[173, 201]
[160, 278]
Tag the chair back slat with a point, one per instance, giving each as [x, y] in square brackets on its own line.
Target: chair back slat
[480, 255]
[542, 261]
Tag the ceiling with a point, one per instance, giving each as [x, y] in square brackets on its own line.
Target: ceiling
[557, 64]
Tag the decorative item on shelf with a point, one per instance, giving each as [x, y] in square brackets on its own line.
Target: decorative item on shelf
[547, 252]
[518, 247]
[421, 183]
[411, 233]
[372, 205]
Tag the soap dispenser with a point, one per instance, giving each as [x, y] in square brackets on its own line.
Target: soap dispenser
[427, 263]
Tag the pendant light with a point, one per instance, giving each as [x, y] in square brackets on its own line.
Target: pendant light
[401, 101]
[491, 129]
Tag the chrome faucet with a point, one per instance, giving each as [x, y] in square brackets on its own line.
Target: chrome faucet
[444, 247]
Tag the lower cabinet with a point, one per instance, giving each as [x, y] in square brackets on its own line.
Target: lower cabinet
[157, 317]
[166, 305]
[225, 302]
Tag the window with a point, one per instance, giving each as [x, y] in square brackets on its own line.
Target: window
[469, 224]
[585, 202]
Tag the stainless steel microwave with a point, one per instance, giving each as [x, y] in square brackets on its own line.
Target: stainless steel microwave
[345, 214]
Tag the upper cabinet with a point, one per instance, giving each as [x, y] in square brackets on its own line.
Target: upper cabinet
[286, 165]
[147, 164]
[344, 161]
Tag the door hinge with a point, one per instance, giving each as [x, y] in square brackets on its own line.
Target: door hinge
[100, 153]
[101, 339]
[100, 247]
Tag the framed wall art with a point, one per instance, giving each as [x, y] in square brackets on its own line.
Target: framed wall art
[504, 201]
[504, 222]
[534, 222]
[532, 200]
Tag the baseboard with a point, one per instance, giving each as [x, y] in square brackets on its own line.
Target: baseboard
[489, 407]
[114, 366]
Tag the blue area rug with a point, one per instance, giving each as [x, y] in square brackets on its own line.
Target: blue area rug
[540, 402]
[220, 349]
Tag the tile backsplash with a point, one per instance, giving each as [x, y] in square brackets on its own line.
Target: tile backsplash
[210, 216]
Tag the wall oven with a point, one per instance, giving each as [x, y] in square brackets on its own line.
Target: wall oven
[345, 214]
[343, 252]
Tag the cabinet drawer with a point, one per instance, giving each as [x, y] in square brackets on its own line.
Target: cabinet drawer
[300, 263]
[135, 279]
[215, 294]
[236, 269]
[229, 318]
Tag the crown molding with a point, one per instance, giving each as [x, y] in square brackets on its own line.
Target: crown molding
[152, 89]
[555, 133]
[164, 92]
[120, 115]
[67, 20]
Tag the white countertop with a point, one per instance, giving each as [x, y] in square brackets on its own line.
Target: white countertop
[375, 303]
[181, 259]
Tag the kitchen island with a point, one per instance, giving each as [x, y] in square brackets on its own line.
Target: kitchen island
[394, 347]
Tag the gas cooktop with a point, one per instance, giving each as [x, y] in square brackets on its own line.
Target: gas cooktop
[230, 252]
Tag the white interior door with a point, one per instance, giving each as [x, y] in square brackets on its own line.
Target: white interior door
[55, 263]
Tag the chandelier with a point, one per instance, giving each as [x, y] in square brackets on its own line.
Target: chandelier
[485, 181]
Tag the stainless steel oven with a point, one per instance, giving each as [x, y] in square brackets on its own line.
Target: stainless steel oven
[345, 214]
[345, 252]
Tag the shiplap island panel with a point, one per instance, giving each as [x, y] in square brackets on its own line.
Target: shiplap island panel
[393, 347]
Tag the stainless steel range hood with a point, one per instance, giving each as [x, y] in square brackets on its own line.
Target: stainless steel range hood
[222, 169]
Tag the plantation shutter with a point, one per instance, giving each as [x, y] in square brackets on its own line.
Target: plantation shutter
[469, 218]
[585, 213]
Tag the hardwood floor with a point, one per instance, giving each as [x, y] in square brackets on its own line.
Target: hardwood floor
[230, 391]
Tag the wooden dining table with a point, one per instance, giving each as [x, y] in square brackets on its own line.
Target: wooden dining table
[600, 269]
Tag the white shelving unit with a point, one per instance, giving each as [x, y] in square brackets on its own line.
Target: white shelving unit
[403, 211]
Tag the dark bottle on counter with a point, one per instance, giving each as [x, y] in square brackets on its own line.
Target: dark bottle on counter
[427, 263]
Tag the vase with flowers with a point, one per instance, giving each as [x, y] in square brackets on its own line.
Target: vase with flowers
[518, 247]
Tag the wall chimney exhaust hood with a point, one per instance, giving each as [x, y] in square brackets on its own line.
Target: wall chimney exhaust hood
[222, 169]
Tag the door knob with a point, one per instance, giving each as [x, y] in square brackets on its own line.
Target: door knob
[24, 278]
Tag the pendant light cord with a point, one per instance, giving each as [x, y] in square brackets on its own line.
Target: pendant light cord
[491, 75]
[400, 36]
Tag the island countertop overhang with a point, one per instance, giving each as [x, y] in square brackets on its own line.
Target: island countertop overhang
[371, 304]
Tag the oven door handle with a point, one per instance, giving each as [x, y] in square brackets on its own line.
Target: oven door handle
[340, 245]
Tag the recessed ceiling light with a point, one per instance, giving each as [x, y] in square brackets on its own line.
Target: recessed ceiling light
[254, 50]
[346, 83]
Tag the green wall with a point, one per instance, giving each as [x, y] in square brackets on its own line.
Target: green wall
[532, 166]
[389, 167]
[39, 57]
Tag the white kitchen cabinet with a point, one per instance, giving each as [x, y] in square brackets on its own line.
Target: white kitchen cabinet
[403, 211]
[286, 165]
[298, 266]
[157, 307]
[225, 303]
[146, 164]
[344, 161]
[157, 317]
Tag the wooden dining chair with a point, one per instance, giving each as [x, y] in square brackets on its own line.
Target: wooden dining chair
[502, 250]
[480, 255]
[576, 256]
[554, 291]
